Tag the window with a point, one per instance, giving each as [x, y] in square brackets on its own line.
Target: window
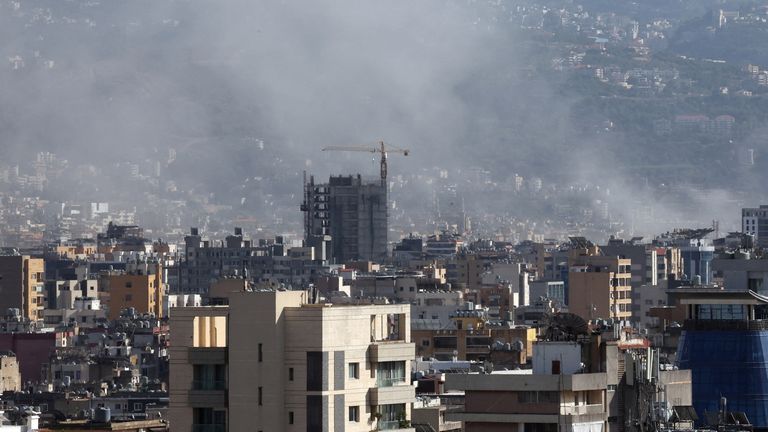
[314, 413]
[354, 370]
[129, 284]
[261, 396]
[209, 377]
[537, 397]
[138, 406]
[314, 370]
[354, 413]
[261, 354]
[390, 373]
[425, 342]
[128, 297]
[290, 417]
[290, 374]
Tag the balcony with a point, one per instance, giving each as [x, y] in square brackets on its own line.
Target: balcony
[396, 394]
[209, 385]
[583, 410]
[209, 428]
[215, 355]
[391, 351]
[393, 426]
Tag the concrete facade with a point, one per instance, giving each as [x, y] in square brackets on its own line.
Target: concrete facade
[298, 366]
[599, 286]
[22, 285]
[346, 219]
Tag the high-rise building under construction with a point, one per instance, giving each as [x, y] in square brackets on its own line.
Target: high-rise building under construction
[346, 218]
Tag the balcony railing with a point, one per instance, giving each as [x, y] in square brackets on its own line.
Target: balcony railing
[209, 428]
[583, 409]
[209, 385]
[389, 425]
[390, 382]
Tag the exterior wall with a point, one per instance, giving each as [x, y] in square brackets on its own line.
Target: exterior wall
[267, 346]
[589, 294]
[140, 291]
[606, 293]
[743, 274]
[259, 318]
[678, 386]
[643, 299]
[31, 349]
[568, 354]
[353, 212]
[199, 337]
[493, 400]
[21, 286]
[10, 378]
[441, 344]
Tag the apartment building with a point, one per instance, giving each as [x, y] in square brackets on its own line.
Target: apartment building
[554, 397]
[21, 284]
[272, 362]
[140, 287]
[599, 286]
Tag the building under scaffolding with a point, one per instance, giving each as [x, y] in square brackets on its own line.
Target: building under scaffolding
[346, 218]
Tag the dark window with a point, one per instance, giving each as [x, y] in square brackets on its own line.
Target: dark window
[290, 374]
[354, 370]
[314, 413]
[314, 371]
[290, 417]
[261, 353]
[555, 367]
[354, 413]
[261, 396]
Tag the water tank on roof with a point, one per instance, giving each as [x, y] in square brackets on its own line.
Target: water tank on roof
[66, 381]
[102, 415]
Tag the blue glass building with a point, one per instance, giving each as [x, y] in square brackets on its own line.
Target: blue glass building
[697, 261]
[725, 345]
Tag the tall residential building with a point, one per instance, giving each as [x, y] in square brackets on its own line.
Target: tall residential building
[644, 259]
[272, 362]
[599, 286]
[754, 221]
[346, 218]
[140, 287]
[22, 280]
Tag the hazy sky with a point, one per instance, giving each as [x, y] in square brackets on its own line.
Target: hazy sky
[256, 88]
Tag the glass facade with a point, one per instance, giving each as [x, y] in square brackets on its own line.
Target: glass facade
[733, 364]
[697, 261]
[720, 312]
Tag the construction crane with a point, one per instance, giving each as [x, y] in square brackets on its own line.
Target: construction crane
[381, 148]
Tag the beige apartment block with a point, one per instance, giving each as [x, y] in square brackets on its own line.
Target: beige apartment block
[599, 286]
[21, 285]
[285, 365]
